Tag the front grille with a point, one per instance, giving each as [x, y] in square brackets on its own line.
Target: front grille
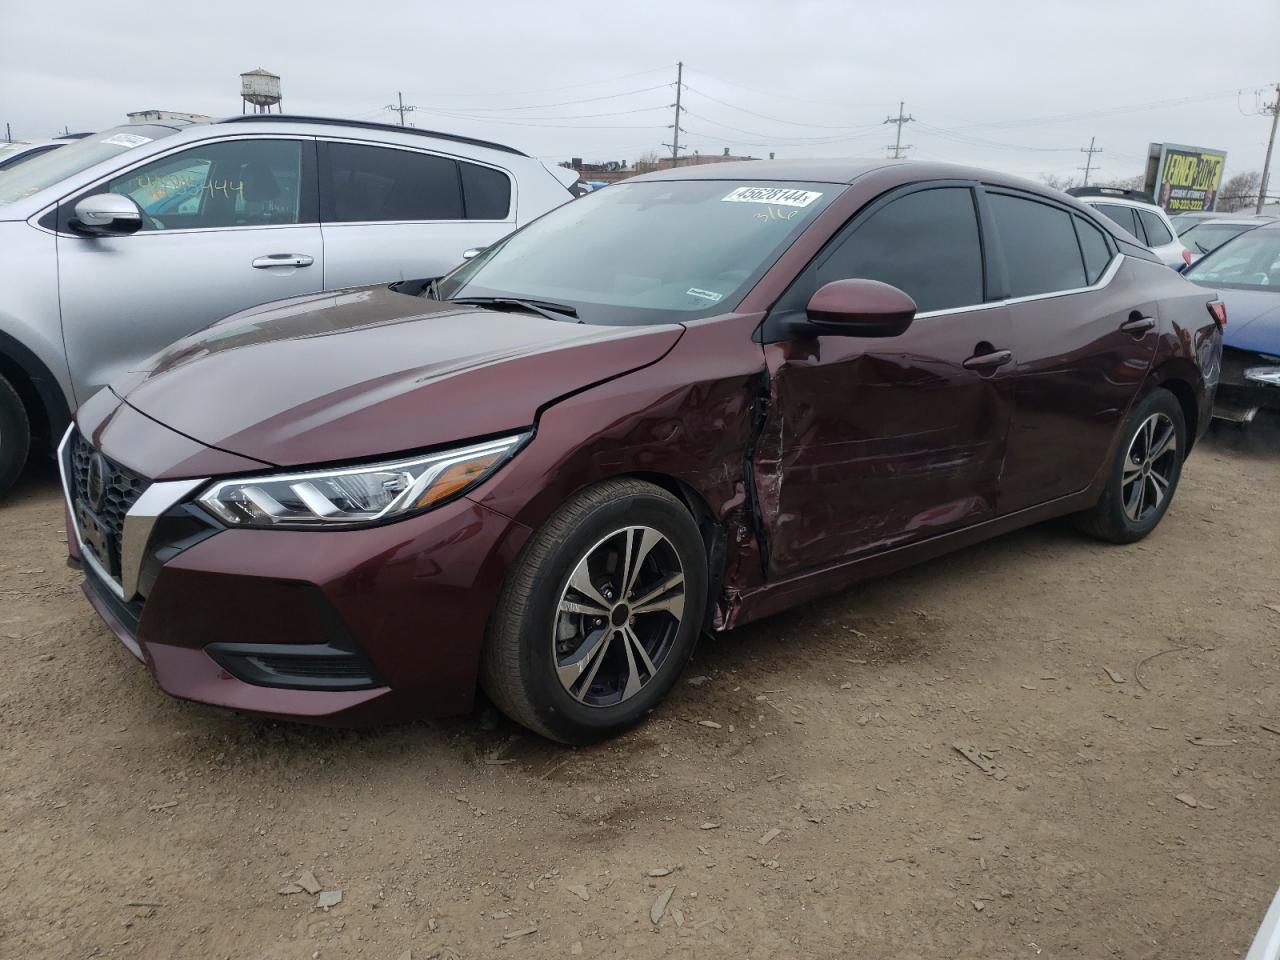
[121, 488]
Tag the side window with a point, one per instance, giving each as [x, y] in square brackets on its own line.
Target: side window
[1039, 245]
[1157, 233]
[232, 183]
[486, 192]
[1094, 247]
[925, 244]
[1122, 216]
[382, 183]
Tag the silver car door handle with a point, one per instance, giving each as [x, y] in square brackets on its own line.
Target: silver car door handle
[284, 260]
[1138, 324]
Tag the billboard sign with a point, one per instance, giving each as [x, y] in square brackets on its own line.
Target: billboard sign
[1184, 179]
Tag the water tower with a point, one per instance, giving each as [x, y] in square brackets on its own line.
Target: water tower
[261, 89]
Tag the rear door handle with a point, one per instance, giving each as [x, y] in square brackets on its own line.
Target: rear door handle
[1138, 325]
[985, 361]
[284, 260]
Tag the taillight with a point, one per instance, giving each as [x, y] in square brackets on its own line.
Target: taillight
[1186, 256]
[1218, 310]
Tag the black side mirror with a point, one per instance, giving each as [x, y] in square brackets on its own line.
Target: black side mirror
[861, 308]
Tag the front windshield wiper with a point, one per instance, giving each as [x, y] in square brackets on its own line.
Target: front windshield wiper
[552, 311]
[1200, 245]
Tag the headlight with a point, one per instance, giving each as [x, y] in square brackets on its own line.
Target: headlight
[356, 495]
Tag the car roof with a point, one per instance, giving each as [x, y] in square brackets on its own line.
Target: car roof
[1234, 221]
[1092, 199]
[831, 170]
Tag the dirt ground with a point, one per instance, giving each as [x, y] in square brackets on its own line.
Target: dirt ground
[824, 811]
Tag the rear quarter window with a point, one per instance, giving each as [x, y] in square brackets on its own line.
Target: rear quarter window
[1041, 252]
[1157, 233]
[486, 192]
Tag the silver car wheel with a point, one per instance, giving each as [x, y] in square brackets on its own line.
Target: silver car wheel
[1149, 467]
[618, 616]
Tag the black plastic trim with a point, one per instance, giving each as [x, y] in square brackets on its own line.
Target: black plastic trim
[267, 665]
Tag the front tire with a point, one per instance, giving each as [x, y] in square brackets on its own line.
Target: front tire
[599, 614]
[15, 435]
[1144, 474]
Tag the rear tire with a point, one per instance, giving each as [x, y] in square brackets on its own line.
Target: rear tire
[1144, 474]
[599, 614]
[15, 435]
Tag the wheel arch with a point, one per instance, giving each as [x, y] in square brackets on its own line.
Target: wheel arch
[1177, 376]
[712, 531]
[39, 390]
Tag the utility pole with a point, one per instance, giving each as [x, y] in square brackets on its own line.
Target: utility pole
[401, 109]
[899, 120]
[1089, 151]
[8, 137]
[1274, 110]
[675, 135]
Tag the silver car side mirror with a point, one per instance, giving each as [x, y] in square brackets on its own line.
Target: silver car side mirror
[107, 214]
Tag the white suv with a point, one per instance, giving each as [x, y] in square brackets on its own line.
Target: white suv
[1139, 217]
[122, 242]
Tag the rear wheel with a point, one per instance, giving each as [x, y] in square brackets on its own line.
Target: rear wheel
[600, 613]
[1144, 475]
[15, 435]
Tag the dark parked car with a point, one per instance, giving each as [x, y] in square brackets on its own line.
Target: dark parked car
[686, 402]
[1245, 273]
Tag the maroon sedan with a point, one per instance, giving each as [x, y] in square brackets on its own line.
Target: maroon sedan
[681, 403]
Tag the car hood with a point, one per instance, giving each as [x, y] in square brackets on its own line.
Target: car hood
[369, 372]
[1253, 320]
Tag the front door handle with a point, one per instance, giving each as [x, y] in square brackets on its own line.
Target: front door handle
[988, 361]
[1138, 325]
[284, 260]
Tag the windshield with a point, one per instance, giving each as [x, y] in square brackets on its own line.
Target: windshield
[638, 252]
[1206, 236]
[49, 168]
[1250, 260]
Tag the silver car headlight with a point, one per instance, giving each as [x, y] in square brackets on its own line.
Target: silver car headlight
[364, 494]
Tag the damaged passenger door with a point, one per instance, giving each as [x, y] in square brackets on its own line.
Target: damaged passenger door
[871, 442]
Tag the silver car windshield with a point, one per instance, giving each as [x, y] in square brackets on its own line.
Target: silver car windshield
[56, 165]
[1250, 260]
[641, 252]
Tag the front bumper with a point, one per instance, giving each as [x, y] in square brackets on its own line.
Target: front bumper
[343, 627]
[1250, 383]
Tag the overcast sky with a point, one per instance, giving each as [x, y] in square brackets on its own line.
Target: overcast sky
[1019, 86]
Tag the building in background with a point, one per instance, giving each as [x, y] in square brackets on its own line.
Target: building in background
[614, 170]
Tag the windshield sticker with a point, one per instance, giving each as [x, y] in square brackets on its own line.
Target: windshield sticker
[783, 196]
[129, 140]
[708, 295]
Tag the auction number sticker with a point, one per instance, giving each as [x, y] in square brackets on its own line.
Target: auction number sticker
[778, 196]
[129, 140]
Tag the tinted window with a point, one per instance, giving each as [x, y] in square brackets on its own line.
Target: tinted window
[381, 183]
[925, 243]
[487, 192]
[1094, 247]
[232, 183]
[1123, 216]
[1040, 249]
[1157, 233]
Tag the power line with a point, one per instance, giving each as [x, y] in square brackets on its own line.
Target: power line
[1088, 151]
[762, 116]
[562, 103]
[567, 86]
[899, 121]
[766, 139]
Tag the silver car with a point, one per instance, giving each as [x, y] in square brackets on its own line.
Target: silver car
[118, 244]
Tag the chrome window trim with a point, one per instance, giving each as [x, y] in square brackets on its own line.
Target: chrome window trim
[141, 519]
[1108, 275]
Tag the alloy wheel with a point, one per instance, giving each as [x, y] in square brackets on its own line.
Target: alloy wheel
[618, 616]
[1149, 467]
